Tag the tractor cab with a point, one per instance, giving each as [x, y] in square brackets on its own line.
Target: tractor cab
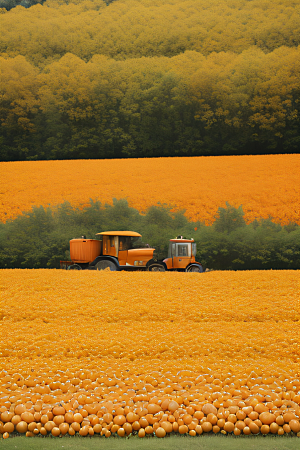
[181, 255]
[122, 246]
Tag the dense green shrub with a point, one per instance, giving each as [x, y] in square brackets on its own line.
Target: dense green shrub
[41, 237]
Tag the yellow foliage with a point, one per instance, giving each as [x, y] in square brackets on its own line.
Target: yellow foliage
[141, 28]
[189, 104]
[134, 340]
[264, 185]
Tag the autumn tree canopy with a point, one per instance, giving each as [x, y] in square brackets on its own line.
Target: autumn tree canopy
[136, 78]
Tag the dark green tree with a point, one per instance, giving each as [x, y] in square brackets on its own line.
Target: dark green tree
[229, 219]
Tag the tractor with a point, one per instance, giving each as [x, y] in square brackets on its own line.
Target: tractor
[117, 250]
[181, 256]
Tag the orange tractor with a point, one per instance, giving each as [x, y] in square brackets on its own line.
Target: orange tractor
[117, 251]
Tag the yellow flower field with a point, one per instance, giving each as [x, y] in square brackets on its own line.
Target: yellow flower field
[265, 185]
[117, 352]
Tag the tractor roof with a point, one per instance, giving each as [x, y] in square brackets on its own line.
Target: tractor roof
[120, 233]
[182, 240]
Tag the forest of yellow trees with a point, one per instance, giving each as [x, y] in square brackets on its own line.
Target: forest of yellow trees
[142, 78]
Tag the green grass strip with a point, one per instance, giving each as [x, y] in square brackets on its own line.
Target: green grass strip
[206, 442]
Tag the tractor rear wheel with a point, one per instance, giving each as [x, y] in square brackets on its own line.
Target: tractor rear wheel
[157, 268]
[194, 268]
[109, 265]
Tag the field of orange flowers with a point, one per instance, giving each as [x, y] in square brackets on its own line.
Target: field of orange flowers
[149, 353]
[265, 185]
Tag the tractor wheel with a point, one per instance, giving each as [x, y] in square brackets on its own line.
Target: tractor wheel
[194, 268]
[108, 265]
[75, 267]
[157, 268]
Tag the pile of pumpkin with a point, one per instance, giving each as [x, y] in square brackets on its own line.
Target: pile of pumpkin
[158, 417]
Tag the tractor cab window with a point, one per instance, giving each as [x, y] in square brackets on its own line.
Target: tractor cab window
[178, 249]
[172, 250]
[182, 250]
[194, 248]
[125, 243]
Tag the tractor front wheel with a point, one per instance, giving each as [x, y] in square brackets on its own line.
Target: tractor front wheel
[194, 268]
[157, 268]
[106, 265]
